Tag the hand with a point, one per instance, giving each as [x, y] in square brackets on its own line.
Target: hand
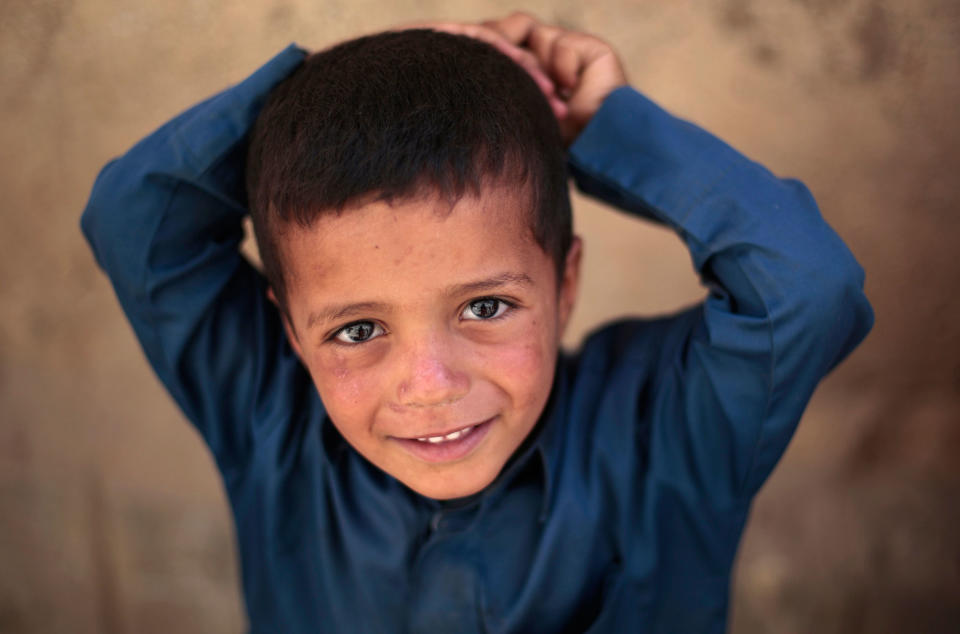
[584, 69]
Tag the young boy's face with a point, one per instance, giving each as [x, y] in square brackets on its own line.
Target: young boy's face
[430, 334]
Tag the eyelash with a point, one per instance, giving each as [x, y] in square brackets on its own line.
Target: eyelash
[507, 305]
[335, 337]
[504, 308]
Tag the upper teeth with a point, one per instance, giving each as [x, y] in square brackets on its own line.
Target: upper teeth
[451, 436]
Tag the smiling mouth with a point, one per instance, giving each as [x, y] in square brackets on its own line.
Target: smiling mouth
[450, 447]
[460, 433]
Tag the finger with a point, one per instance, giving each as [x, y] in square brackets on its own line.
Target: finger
[559, 107]
[516, 27]
[566, 62]
[603, 76]
[541, 41]
[493, 26]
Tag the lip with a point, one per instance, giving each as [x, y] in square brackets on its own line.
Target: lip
[450, 450]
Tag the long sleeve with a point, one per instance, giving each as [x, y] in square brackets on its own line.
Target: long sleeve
[165, 223]
[785, 301]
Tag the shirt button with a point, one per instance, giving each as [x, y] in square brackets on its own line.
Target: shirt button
[436, 521]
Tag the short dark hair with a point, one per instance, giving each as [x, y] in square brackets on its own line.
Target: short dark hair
[395, 115]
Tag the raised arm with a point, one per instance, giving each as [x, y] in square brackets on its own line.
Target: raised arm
[165, 222]
[786, 300]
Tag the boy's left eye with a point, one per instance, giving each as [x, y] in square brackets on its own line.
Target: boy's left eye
[485, 308]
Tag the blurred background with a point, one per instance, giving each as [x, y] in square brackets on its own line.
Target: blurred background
[112, 516]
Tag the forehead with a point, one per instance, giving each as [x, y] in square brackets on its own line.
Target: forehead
[413, 246]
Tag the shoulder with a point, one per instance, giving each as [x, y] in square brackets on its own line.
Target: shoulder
[612, 379]
[635, 344]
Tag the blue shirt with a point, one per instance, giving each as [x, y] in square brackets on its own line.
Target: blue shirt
[623, 509]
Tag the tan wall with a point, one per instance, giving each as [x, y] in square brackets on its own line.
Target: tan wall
[112, 518]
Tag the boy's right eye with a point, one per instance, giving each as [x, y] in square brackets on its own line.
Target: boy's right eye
[358, 332]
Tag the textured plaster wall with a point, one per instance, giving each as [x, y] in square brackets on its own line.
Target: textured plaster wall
[112, 518]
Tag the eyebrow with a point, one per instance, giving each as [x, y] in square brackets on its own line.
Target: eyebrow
[489, 284]
[337, 312]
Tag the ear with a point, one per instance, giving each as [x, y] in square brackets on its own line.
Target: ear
[287, 326]
[570, 283]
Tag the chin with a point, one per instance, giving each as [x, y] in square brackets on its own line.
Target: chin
[453, 486]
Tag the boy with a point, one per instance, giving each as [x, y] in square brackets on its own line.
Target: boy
[403, 446]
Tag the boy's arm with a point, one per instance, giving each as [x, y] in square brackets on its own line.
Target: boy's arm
[786, 302]
[165, 223]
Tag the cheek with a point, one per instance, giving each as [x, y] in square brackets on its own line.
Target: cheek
[524, 367]
[521, 359]
[346, 387]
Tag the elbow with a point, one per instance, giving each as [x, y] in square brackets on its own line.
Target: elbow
[120, 217]
[96, 220]
[833, 281]
[837, 307]
[855, 313]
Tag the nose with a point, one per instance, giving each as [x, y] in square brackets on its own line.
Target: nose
[431, 374]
